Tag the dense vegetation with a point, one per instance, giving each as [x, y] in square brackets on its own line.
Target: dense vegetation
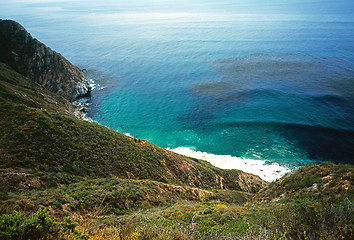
[64, 178]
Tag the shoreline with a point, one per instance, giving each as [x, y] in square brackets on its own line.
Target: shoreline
[81, 109]
[268, 172]
[263, 168]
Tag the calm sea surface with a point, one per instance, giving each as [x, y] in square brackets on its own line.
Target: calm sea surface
[263, 86]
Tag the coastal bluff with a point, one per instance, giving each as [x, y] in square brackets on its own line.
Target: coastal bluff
[65, 178]
[35, 60]
[82, 148]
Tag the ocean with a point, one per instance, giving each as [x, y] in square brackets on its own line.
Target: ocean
[261, 86]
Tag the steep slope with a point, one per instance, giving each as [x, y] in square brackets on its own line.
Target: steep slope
[16, 89]
[48, 142]
[314, 202]
[39, 63]
[325, 183]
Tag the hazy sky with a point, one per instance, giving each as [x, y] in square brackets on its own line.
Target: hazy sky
[245, 6]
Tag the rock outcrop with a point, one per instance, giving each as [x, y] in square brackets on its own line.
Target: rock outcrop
[39, 63]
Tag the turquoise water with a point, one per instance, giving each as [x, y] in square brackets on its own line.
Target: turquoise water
[263, 84]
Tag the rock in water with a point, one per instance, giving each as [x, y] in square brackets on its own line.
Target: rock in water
[38, 62]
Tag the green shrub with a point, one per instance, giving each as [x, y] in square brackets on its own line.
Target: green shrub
[339, 220]
[306, 217]
[4, 196]
[18, 226]
[11, 225]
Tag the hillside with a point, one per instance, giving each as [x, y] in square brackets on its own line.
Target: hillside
[63, 148]
[325, 183]
[65, 178]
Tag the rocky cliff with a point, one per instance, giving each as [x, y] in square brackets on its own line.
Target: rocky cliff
[39, 63]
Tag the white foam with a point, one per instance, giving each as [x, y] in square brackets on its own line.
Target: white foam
[268, 172]
[92, 83]
[128, 134]
[87, 118]
[93, 86]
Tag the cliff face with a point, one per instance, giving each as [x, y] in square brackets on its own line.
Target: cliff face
[38, 62]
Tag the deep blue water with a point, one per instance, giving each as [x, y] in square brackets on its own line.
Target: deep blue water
[256, 80]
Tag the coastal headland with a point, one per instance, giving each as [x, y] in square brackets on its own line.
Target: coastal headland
[65, 178]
